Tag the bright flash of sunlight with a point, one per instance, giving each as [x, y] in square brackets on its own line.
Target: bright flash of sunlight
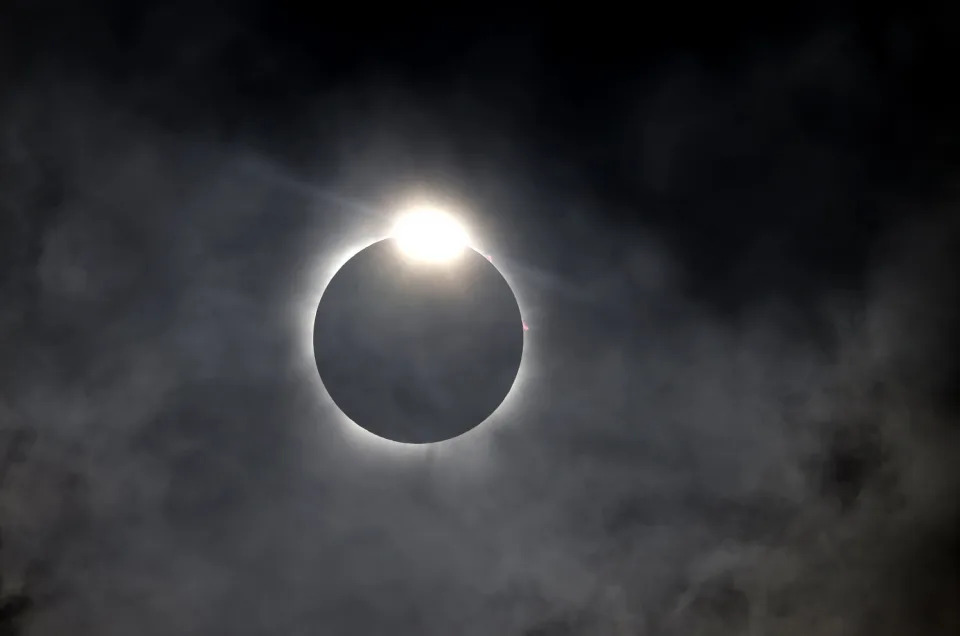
[428, 234]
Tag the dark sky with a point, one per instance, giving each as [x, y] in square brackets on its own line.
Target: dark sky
[733, 235]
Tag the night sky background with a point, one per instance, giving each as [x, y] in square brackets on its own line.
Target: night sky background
[733, 235]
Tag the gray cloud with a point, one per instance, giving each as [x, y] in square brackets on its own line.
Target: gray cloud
[671, 470]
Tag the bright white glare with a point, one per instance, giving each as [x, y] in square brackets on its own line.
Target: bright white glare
[430, 235]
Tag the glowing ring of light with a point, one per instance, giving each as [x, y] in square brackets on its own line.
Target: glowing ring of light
[323, 273]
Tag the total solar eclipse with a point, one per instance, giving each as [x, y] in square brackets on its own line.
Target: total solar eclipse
[418, 338]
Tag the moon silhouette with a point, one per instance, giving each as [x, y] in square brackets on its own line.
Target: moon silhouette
[417, 352]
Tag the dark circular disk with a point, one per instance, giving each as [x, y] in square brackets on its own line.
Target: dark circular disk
[414, 351]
